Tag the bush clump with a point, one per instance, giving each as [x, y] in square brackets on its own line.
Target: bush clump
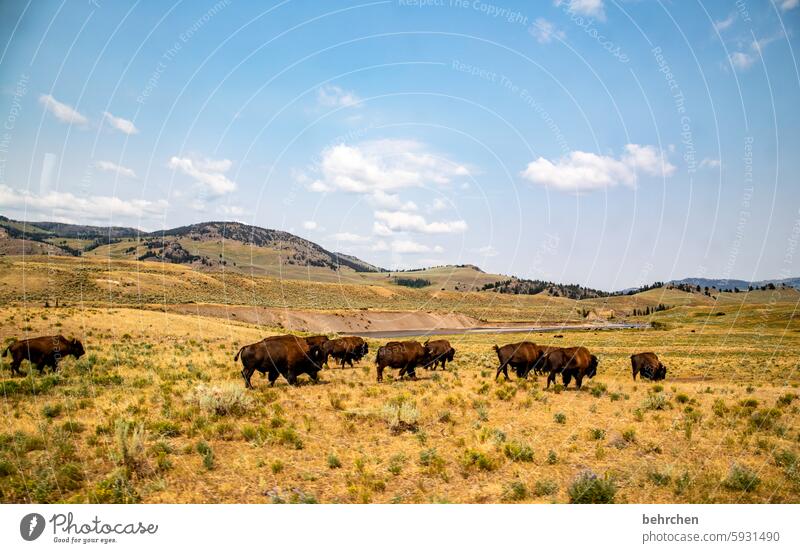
[590, 488]
[222, 399]
[401, 416]
[741, 479]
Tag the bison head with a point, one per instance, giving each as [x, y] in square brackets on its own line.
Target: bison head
[450, 354]
[77, 348]
[660, 373]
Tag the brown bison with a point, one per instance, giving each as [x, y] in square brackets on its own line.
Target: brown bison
[316, 341]
[572, 363]
[45, 351]
[439, 353]
[287, 355]
[522, 357]
[648, 365]
[345, 350]
[406, 356]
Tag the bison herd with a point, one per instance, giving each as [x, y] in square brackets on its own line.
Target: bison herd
[290, 356]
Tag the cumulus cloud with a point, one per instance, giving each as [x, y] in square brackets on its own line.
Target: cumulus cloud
[62, 112]
[310, 225]
[122, 125]
[581, 171]
[725, 23]
[545, 31]
[112, 167]
[381, 199]
[400, 221]
[66, 206]
[350, 237]
[208, 173]
[742, 60]
[334, 97]
[592, 8]
[385, 165]
[710, 162]
[787, 5]
[487, 251]
[410, 246]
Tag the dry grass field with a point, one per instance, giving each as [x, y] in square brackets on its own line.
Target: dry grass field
[156, 411]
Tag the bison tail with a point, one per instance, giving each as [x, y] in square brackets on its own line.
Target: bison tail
[496, 348]
[5, 351]
[236, 357]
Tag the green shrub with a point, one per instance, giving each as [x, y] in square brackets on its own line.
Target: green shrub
[659, 478]
[333, 461]
[764, 419]
[518, 452]
[544, 487]
[740, 478]
[479, 460]
[597, 433]
[205, 451]
[401, 416]
[560, 418]
[222, 399]
[515, 491]
[655, 402]
[52, 410]
[589, 488]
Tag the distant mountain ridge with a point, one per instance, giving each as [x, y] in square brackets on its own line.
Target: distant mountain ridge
[36, 238]
[727, 284]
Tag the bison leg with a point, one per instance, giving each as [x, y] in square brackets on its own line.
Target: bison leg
[15, 363]
[551, 377]
[566, 377]
[634, 373]
[247, 372]
[578, 380]
[503, 368]
[380, 373]
[273, 376]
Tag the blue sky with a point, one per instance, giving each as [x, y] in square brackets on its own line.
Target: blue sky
[599, 142]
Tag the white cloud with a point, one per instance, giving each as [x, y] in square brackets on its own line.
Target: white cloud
[310, 225]
[67, 207]
[787, 5]
[114, 168]
[709, 162]
[438, 205]
[63, 112]
[381, 199]
[231, 210]
[399, 221]
[409, 246]
[379, 246]
[545, 31]
[487, 251]
[592, 8]
[122, 125]
[208, 173]
[725, 23]
[350, 237]
[581, 171]
[335, 97]
[742, 60]
[383, 165]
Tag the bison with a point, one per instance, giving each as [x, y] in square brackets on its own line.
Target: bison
[287, 355]
[572, 363]
[316, 341]
[439, 353]
[45, 351]
[522, 357]
[406, 356]
[648, 365]
[345, 350]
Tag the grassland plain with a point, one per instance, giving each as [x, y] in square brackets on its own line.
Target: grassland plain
[157, 412]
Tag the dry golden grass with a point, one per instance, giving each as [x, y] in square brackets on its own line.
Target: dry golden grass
[156, 412]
